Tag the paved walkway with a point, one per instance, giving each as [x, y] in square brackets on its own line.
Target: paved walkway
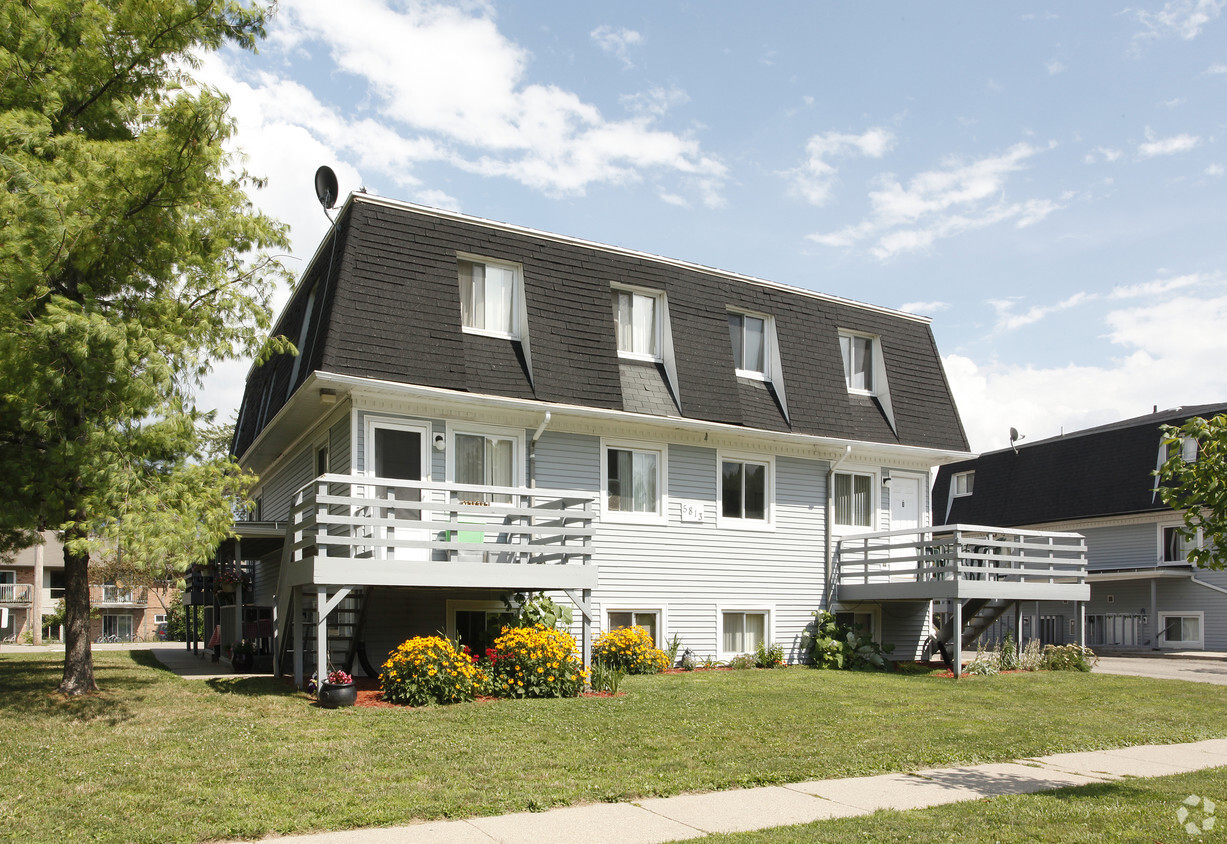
[1198, 669]
[689, 816]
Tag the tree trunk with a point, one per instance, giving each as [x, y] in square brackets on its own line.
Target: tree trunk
[78, 658]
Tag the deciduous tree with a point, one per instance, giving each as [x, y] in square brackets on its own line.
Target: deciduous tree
[1195, 480]
[131, 259]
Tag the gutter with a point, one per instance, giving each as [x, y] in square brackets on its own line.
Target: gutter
[830, 523]
[532, 450]
[1193, 578]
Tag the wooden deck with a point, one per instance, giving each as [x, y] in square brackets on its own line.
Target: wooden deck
[962, 562]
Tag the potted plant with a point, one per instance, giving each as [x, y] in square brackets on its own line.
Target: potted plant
[243, 656]
[338, 690]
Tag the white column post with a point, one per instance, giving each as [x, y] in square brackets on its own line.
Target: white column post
[321, 633]
[1154, 614]
[296, 609]
[1080, 609]
[958, 637]
[586, 645]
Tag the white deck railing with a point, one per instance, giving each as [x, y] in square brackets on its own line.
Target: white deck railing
[16, 593]
[961, 553]
[364, 518]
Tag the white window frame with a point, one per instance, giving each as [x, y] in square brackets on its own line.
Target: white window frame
[767, 372]
[968, 488]
[874, 612]
[1162, 541]
[658, 296]
[661, 450]
[875, 357]
[516, 435]
[875, 501]
[750, 609]
[765, 523]
[1198, 644]
[517, 295]
[659, 612]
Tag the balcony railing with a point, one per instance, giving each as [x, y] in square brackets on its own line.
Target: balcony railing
[962, 561]
[118, 596]
[348, 527]
[16, 593]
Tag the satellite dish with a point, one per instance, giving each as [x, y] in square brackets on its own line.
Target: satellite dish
[1013, 431]
[326, 187]
[1015, 437]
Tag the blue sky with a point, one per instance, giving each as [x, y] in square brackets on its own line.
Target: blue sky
[1046, 182]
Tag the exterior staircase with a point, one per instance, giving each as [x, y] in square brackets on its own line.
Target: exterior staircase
[978, 615]
[345, 625]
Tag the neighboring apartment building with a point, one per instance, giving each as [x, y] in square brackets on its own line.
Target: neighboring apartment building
[1100, 483]
[481, 410]
[125, 613]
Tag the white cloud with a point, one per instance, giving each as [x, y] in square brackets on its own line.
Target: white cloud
[924, 307]
[813, 180]
[1182, 18]
[1214, 170]
[617, 42]
[1007, 320]
[942, 203]
[437, 199]
[1157, 287]
[1103, 154]
[1216, 69]
[1166, 146]
[655, 102]
[442, 84]
[1152, 368]
[1054, 67]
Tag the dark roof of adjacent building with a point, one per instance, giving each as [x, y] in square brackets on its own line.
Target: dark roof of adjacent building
[1103, 471]
[384, 303]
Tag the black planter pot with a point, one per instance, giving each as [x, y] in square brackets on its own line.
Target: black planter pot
[242, 662]
[333, 696]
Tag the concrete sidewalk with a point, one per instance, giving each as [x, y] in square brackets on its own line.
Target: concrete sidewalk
[689, 816]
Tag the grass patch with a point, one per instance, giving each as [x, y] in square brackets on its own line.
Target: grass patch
[1142, 810]
[154, 757]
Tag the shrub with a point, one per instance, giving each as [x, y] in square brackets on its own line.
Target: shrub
[741, 662]
[1007, 659]
[1069, 658]
[675, 645]
[536, 662]
[1031, 658]
[631, 649]
[429, 669]
[769, 656]
[605, 678]
[834, 645]
[985, 663]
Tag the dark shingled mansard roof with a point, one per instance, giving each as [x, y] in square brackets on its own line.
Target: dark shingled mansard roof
[1104, 471]
[390, 309]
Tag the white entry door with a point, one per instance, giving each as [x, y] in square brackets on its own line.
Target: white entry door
[397, 451]
[904, 502]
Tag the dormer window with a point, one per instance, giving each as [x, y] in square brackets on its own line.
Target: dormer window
[490, 298]
[858, 357]
[964, 483]
[637, 321]
[748, 334]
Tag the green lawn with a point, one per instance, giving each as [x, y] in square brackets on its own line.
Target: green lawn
[158, 758]
[1142, 810]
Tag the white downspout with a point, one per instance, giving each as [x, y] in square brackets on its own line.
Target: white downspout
[1193, 578]
[532, 450]
[830, 523]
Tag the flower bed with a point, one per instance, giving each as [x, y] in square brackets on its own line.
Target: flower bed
[630, 649]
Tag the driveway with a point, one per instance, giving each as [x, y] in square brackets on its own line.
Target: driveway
[1195, 670]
